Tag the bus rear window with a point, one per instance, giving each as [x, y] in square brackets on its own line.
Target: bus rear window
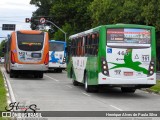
[128, 37]
[30, 42]
[56, 46]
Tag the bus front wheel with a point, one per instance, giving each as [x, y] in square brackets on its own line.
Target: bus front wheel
[75, 83]
[128, 90]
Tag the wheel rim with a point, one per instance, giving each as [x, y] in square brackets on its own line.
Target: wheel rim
[86, 84]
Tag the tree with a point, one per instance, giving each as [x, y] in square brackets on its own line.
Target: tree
[72, 12]
[43, 9]
[2, 45]
[59, 35]
[145, 12]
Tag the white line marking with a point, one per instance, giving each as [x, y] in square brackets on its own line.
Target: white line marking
[85, 94]
[51, 78]
[116, 107]
[69, 86]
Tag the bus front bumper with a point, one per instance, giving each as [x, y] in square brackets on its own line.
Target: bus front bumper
[32, 67]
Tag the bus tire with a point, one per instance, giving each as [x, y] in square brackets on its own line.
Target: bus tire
[55, 70]
[11, 74]
[36, 75]
[16, 76]
[7, 71]
[41, 75]
[59, 70]
[89, 88]
[71, 73]
[75, 83]
[128, 90]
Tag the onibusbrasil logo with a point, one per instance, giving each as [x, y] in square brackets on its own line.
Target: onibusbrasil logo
[20, 110]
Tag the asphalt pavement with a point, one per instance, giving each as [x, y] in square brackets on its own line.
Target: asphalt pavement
[55, 92]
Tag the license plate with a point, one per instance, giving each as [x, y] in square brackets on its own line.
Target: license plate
[36, 55]
[128, 73]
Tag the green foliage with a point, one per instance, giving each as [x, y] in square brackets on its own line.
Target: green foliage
[81, 15]
[59, 35]
[3, 99]
[145, 12]
[43, 9]
[156, 88]
[71, 12]
[2, 44]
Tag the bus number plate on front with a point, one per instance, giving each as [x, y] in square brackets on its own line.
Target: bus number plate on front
[128, 73]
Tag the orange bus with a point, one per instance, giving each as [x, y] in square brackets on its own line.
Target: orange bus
[27, 51]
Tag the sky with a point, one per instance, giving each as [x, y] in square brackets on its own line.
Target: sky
[15, 12]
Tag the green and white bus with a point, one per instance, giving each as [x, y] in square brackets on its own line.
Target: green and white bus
[118, 55]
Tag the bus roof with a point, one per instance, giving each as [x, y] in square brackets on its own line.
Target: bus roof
[109, 25]
[30, 31]
[85, 32]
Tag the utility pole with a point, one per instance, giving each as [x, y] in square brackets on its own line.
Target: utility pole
[58, 28]
[43, 20]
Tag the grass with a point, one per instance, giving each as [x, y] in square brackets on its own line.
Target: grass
[3, 97]
[156, 88]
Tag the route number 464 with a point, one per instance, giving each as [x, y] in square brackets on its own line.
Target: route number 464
[122, 53]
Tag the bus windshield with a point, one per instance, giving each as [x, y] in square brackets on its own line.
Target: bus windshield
[128, 37]
[56, 46]
[30, 42]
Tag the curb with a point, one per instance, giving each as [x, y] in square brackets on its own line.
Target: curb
[10, 94]
[149, 91]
